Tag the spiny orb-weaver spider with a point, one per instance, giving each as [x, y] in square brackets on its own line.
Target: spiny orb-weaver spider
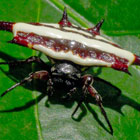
[71, 48]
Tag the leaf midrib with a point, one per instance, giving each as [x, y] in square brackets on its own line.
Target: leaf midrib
[34, 93]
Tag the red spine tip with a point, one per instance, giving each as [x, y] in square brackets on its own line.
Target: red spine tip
[137, 60]
[8, 26]
[64, 21]
[121, 67]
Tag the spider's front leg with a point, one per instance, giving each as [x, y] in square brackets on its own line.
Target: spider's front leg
[32, 59]
[88, 81]
[42, 75]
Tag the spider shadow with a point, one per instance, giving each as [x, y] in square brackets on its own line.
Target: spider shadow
[112, 96]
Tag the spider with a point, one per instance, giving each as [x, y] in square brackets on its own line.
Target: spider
[70, 49]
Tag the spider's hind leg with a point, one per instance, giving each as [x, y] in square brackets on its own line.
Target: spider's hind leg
[42, 75]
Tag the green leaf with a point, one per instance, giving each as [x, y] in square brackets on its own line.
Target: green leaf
[25, 112]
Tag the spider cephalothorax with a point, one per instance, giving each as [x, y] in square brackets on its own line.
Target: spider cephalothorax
[71, 48]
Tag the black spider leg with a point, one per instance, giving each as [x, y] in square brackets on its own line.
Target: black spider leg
[50, 89]
[42, 75]
[68, 96]
[88, 81]
[79, 104]
[26, 61]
